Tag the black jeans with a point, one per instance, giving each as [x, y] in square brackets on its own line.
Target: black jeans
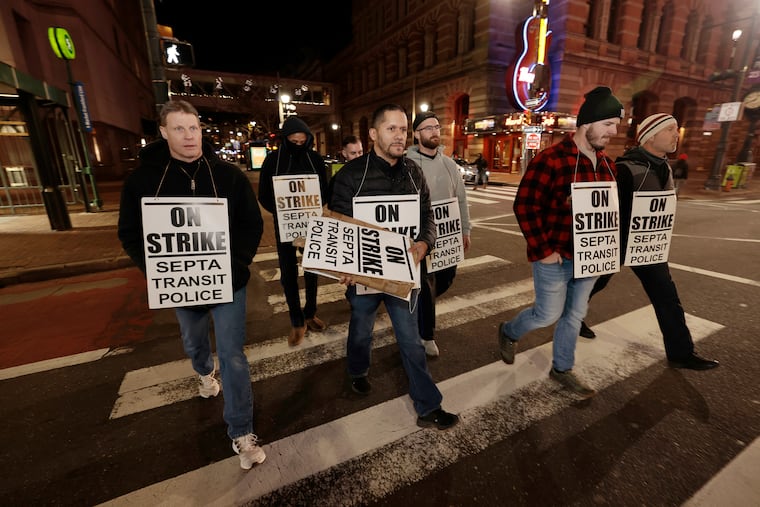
[286, 253]
[433, 285]
[662, 293]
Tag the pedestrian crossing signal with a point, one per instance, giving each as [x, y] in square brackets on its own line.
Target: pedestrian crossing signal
[176, 53]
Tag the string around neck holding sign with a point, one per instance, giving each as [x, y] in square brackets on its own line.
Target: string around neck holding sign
[192, 178]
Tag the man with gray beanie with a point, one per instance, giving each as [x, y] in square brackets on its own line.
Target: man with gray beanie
[641, 169]
[543, 211]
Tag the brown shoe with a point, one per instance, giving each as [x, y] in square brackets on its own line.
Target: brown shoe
[296, 336]
[316, 324]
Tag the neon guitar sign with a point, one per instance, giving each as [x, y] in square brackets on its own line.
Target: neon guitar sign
[529, 77]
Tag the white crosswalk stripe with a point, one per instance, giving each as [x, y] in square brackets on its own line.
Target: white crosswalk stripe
[384, 433]
[491, 195]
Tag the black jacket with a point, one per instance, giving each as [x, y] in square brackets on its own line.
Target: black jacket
[246, 224]
[290, 159]
[383, 179]
[639, 171]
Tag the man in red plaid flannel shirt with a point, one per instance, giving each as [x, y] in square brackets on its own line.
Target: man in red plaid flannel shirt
[544, 213]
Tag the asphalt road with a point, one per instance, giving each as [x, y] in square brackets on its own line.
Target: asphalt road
[125, 425]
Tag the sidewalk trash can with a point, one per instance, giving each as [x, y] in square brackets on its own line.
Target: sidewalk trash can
[749, 171]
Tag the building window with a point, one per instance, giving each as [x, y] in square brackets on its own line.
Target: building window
[648, 16]
[613, 32]
[704, 41]
[688, 45]
[665, 27]
[429, 51]
[465, 29]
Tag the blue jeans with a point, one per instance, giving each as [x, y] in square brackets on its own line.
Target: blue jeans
[423, 391]
[560, 298]
[229, 328]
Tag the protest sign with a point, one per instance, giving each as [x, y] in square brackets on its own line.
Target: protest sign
[596, 228]
[449, 248]
[398, 213]
[187, 251]
[297, 198]
[371, 255]
[651, 229]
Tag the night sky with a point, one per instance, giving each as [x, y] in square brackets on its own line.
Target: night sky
[258, 37]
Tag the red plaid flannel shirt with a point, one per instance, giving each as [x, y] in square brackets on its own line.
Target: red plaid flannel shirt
[542, 205]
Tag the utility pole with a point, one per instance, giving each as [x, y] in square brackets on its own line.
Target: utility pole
[713, 182]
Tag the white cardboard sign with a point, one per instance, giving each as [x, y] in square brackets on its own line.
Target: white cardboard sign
[596, 228]
[297, 198]
[187, 251]
[449, 246]
[651, 229]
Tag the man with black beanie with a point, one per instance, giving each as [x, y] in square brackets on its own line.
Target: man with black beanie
[295, 156]
[543, 211]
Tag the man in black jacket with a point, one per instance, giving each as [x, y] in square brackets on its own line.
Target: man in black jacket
[384, 172]
[183, 165]
[645, 168]
[295, 156]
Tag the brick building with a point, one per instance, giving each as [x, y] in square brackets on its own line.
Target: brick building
[454, 57]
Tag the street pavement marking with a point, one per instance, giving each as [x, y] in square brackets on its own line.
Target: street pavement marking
[715, 274]
[331, 292]
[736, 485]
[480, 225]
[709, 238]
[51, 364]
[383, 432]
[172, 382]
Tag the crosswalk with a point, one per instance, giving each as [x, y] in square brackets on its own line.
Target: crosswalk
[324, 458]
[491, 195]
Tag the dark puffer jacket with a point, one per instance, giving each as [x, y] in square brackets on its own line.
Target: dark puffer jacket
[405, 177]
[639, 171]
[245, 222]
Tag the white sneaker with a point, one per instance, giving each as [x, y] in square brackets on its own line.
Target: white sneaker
[431, 349]
[209, 386]
[248, 450]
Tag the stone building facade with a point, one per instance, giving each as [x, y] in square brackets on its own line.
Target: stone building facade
[454, 56]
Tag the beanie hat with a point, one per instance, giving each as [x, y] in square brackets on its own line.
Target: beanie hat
[422, 117]
[651, 125]
[600, 104]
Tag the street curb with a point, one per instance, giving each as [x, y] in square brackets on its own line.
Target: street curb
[53, 271]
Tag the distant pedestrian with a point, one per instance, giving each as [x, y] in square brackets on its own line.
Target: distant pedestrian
[680, 172]
[544, 213]
[295, 156]
[352, 148]
[184, 165]
[444, 181]
[645, 169]
[482, 166]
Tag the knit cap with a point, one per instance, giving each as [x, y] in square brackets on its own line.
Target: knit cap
[600, 104]
[422, 117]
[653, 124]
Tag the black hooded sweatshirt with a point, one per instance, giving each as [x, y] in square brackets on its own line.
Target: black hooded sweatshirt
[245, 222]
[290, 159]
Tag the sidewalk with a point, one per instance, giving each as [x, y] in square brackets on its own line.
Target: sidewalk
[30, 251]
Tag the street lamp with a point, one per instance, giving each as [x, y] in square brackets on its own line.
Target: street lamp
[713, 182]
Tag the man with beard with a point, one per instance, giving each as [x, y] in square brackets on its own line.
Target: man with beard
[295, 156]
[385, 174]
[543, 211]
[642, 169]
[444, 181]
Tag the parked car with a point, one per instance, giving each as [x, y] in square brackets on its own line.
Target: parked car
[468, 171]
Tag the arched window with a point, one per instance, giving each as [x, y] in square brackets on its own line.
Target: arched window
[704, 41]
[613, 33]
[688, 44]
[665, 27]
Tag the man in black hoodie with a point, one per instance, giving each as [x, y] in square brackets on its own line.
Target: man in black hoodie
[645, 168]
[295, 156]
[183, 165]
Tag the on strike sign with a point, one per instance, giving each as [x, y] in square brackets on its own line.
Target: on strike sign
[449, 247]
[596, 228]
[187, 251]
[297, 198]
[651, 230]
